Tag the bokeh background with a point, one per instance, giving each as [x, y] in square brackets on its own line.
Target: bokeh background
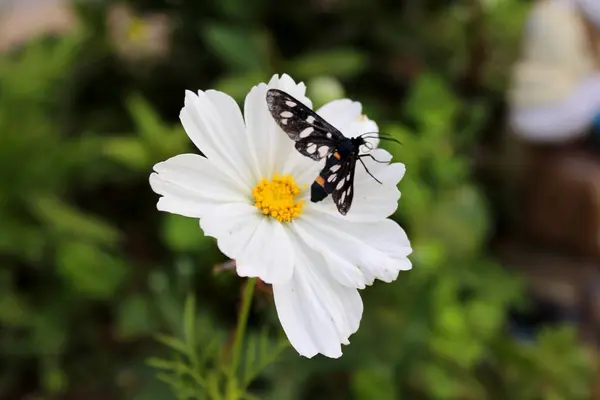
[501, 303]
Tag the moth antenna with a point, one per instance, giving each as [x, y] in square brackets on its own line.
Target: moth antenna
[368, 145]
[381, 136]
[391, 140]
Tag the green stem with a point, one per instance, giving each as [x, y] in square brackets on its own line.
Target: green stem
[239, 338]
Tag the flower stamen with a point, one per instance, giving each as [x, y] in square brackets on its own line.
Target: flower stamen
[277, 198]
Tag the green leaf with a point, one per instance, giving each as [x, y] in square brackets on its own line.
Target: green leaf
[237, 85]
[429, 254]
[49, 335]
[89, 270]
[148, 124]
[54, 378]
[149, 387]
[160, 363]
[459, 219]
[323, 89]
[374, 383]
[189, 321]
[432, 104]
[181, 389]
[63, 219]
[485, 317]
[440, 383]
[183, 234]
[260, 352]
[173, 343]
[130, 152]
[338, 63]
[135, 318]
[240, 49]
[13, 310]
[26, 242]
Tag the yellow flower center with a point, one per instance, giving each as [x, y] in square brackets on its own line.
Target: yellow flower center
[277, 198]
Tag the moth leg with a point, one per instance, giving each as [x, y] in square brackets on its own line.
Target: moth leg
[373, 158]
[368, 172]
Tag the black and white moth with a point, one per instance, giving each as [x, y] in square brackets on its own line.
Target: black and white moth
[316, 138]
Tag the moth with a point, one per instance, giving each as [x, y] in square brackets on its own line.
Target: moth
[316, 138]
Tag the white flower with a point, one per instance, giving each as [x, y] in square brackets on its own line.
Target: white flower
[251, 192]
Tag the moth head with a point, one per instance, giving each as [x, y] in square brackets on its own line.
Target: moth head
[362, 143]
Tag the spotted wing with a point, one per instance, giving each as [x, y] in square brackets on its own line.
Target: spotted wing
[339, 181]
[314, 137]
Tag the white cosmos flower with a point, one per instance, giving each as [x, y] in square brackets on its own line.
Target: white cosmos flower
[251, 192]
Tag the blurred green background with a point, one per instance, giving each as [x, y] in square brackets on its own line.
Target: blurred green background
[91, 272]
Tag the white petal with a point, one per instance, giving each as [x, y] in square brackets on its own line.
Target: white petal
[346, 271]
[270, 145]
[377, 250]
[215, 132]
[175, 202]
[288, 85]
[231, 116]
[191, 184]
[268, 254]
[262, 131]
[317, 314]
[340, 113]
[259, 244]
[303, 169]
[233, 225]
[346, 115]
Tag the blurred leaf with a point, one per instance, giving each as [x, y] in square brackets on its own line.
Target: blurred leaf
[147, 122]
[429, 254]
[183, 234]
[440, 384]
[13, 311]
[152, 388]
[261, 351]
[240, 49]
[323, 89]
[173, 343]
[155, 141]
[34, 82]
[485, 317]
[189, 322]
[135, 318]
[238, 85]
[159, 363]
[89, 270]
[459, 220]
[236, 9]
[49, 335]
[373, 384]
[338, 63]
[63, 219]
[416, 200]
[25, 241]
[128, 151]
[432, 105]
[477, 114]
[54, 378]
